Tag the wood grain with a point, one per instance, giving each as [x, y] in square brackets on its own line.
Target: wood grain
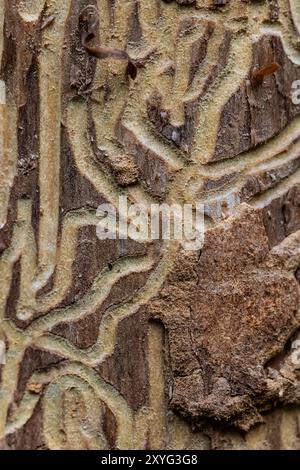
[120, 344]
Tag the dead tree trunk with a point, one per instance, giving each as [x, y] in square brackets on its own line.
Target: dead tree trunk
[129, 344]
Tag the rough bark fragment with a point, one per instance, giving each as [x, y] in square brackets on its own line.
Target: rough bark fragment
[120, 344]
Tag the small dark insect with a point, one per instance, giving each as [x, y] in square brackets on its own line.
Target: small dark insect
[258, 76]
[104, 52]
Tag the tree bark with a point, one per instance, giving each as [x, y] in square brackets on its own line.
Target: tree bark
[128, 344]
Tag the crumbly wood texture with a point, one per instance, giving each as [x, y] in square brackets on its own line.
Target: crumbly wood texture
[123, 345]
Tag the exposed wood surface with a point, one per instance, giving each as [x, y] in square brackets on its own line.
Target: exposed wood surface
[120, 344]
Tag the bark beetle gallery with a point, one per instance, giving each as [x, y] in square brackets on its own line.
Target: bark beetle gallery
[119, 344]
